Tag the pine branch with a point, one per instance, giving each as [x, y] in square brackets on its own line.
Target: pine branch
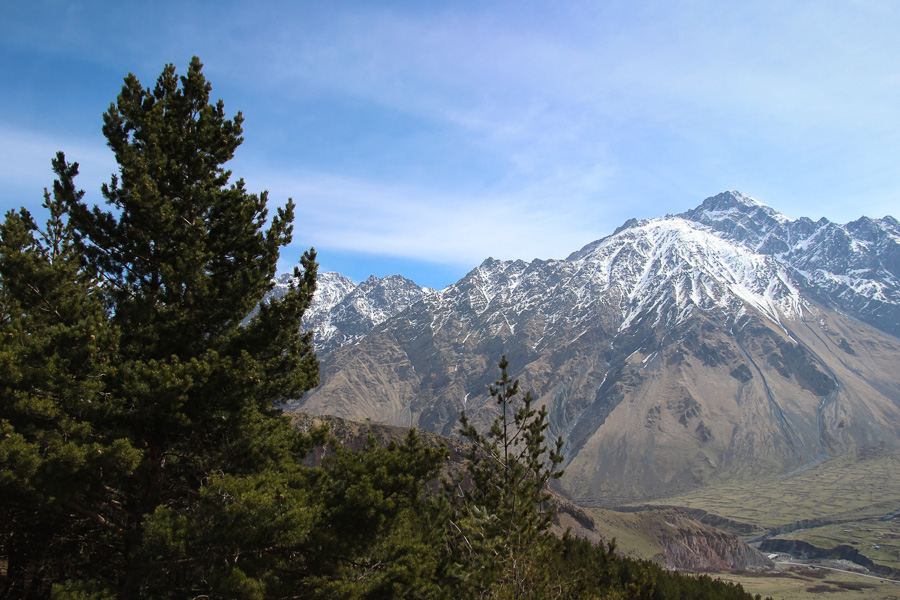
[95, 517]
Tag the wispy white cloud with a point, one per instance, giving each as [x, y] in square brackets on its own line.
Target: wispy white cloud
[545, 97]
[403, 221]
[25, 157]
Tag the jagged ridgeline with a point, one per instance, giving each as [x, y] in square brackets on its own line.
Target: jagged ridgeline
[726, 342]
[141, 454]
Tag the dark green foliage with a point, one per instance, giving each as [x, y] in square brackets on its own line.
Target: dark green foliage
[351, 529]
[378, 524]
[129, 384]
[58, 473]
[501, 519]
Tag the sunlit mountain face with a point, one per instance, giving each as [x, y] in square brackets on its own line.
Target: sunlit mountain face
[722, 343]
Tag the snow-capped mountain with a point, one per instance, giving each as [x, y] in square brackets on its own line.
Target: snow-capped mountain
[678, 350]
[342, 312]
[360, 310]
[855, 267]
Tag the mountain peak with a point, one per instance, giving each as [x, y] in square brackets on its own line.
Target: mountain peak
[737, 197]
[743, 219]
[629, 224]
[733, 205]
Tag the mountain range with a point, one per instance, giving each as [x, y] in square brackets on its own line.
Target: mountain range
[725, 342]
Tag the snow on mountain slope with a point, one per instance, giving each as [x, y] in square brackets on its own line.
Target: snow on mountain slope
[732, 253]
[664, 268]
[853, 267]
[669, 266]
[341, 311]
[366, 306]
[331, 289]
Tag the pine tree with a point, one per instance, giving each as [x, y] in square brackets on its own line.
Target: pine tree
[128, 375]
[502, 518]
[379, 524]
[354, 528]
[56, 349]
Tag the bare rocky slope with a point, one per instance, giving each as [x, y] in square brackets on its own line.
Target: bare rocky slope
[726, 342]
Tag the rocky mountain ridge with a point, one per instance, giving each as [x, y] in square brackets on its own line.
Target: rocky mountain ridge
[855, 267]
[675, 351]
[343, 311]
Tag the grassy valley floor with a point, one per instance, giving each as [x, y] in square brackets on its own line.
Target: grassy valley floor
[801, 582]
[842, 490]
[847, 502]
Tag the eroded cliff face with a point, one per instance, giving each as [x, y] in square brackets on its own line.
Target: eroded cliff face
[688, 544]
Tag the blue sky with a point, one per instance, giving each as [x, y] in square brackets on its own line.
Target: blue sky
[422, 137]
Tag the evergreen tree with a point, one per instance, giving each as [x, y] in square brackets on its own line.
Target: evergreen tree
[502, 517]
[58, 473]
[382, 530]
[358, 527]
[128, 381]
